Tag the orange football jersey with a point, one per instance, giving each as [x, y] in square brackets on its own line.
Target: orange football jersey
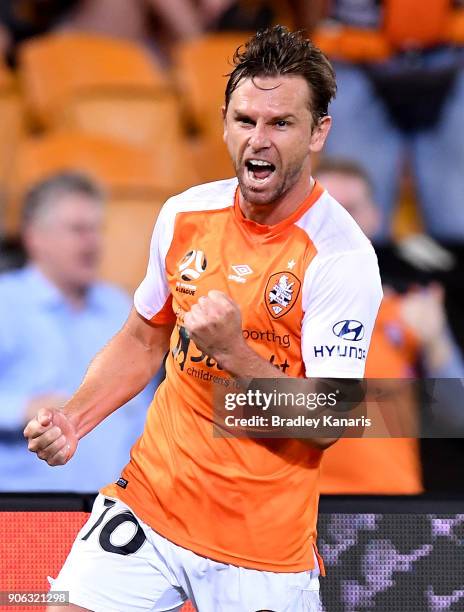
[309, 291]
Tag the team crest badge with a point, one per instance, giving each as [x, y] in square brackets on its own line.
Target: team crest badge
[281, 293]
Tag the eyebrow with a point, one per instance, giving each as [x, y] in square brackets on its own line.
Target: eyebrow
[242, 115]
[283, 117]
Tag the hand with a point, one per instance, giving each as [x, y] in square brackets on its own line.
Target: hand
[215, 325]
[52, 436]
[423, 311]
[46, 400]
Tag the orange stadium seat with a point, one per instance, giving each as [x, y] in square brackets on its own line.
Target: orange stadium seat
[58, 67]
[128, 228]
[211, 159]
[152, 120]
[123, 168]
[200, 69]
[11, 126]
[127, 171]
[201, 66]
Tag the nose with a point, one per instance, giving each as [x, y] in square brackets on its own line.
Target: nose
[259, 139]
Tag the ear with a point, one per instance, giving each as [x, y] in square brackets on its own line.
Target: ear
[319, 135]
[32, 240]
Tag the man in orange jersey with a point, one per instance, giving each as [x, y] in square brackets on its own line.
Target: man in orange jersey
[399, 342]
[252, 277]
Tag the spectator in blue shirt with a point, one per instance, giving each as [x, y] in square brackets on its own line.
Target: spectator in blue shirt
[54, 316]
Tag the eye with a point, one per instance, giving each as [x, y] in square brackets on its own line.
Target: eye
[282, 123]
[246, 121]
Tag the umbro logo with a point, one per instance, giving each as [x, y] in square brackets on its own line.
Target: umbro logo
[241, 270]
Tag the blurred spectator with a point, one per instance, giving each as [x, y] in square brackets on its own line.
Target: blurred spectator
[54, 316]
[160, 23]
[400, 84]
[136, 20]
[22, 19]
[307, 14]
[11, 253]
[244, 15]
[5, 40]
[410, 328]
[155, 24]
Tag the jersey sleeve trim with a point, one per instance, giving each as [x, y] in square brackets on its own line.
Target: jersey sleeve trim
[163, 317]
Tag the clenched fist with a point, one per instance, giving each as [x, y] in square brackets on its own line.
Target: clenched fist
[52, 436]
[215, 325]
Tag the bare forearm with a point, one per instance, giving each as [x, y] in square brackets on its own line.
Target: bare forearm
[246, 365]
[214, 324]
[118, 373]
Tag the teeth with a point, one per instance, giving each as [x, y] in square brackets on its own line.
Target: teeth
[259, 162]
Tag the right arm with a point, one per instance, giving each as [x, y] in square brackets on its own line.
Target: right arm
[122, 369]
[118, 373]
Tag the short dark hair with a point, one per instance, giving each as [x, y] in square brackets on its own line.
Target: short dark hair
[42, 194]
[277, 51]
[345, 167]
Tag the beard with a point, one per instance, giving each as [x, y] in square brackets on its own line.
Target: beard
[256, 195]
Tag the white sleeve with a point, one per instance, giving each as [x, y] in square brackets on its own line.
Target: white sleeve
[152, 299]
[341, 299]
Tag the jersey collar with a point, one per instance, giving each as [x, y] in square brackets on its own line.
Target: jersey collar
[278, 228]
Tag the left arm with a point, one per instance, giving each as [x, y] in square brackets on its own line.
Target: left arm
[339, 289]
[215, 325]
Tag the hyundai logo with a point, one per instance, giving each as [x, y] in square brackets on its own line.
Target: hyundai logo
[349, 330]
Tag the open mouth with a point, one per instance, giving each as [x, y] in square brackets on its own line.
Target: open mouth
[259, 170]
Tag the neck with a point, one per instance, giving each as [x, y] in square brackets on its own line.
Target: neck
[74, 294]
[280, 209]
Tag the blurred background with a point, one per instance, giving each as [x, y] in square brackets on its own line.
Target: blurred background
[117, 102]
[107, 108]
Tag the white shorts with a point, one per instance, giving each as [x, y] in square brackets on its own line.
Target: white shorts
[119, 564]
